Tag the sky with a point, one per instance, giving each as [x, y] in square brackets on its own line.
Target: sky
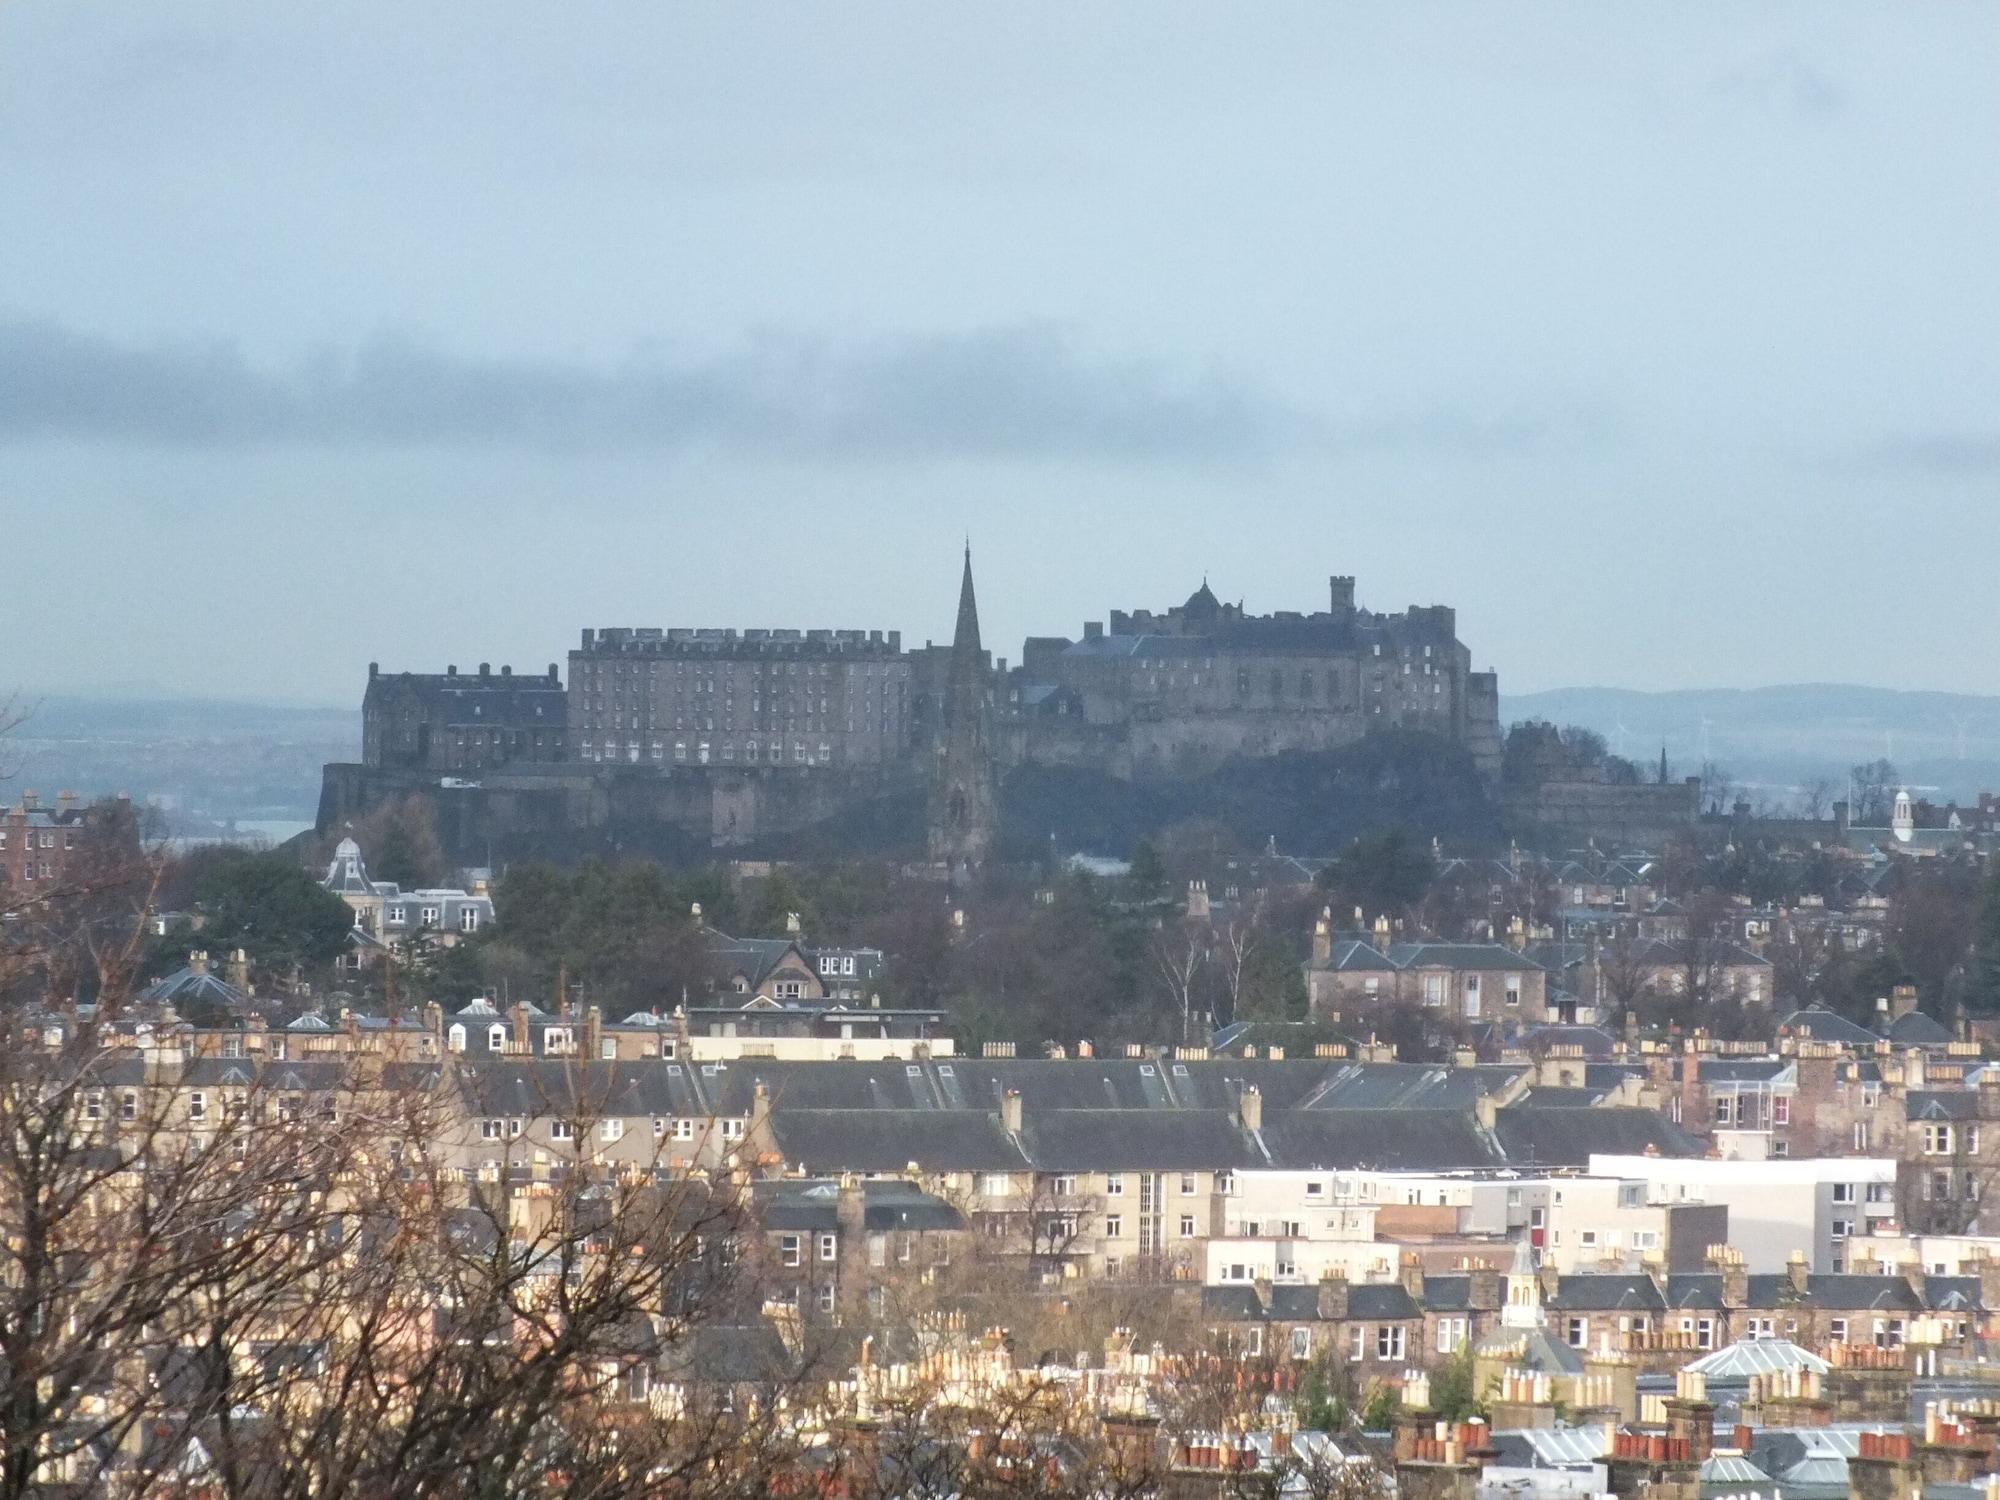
[1661, 341]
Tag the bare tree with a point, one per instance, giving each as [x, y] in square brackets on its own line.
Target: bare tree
[1181, 954]
[1815, 797]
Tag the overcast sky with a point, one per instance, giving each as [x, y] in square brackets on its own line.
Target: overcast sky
[1663, 341]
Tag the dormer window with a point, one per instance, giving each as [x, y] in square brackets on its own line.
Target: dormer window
[496, 1038]
[455, 1038]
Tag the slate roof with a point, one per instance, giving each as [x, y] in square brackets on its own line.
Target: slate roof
[865, 1140]
[1106, 1140]
[527, 1087]
[1567, 1137]
[1941, 1104]
[1915, 1029]
[1459, 956]
[1747, 1070]
[1605, 1293]
[1355, 956]
[1447, 1293]
[1408, 1086]
[1368, 1301]
[1386, 1139]
[792, 1203]
[1823, 1025]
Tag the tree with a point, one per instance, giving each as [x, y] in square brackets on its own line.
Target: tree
[1148, 875]
[400, 842]
[1181, 954]
[1873, 786]
[1386, 873]
[1984, 992]
[1933, 917]
[266, 905]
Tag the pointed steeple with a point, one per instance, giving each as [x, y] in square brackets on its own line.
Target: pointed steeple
[1663, 765]
[965, 637]
[964, 811]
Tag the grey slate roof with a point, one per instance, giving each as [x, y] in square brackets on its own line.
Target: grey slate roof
[1823, 1025]
[1606, 1293]
[1915, 1029]
[1368, 1301]
[862, 1140]
[1459, 956]
[1567, 1137]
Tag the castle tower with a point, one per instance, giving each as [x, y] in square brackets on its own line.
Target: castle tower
[965, 806]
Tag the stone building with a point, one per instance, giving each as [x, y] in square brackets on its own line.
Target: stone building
[37, 843]
[1181, 691]
[1350, 975]
[451, 721]
[687, 697]
[46, 850]
[964, 799]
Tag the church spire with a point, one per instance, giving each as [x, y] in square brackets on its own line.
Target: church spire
[964, 810]
[965, 637]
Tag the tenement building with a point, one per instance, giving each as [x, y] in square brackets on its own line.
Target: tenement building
[1181, 691]
[756, 697]
[454, 721]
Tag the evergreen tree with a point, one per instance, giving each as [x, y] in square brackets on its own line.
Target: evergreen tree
[1985, 992]
[1149, 871]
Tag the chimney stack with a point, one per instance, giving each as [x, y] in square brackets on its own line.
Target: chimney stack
[1333, 1297]
[1010, 1111]
[1250, 1108]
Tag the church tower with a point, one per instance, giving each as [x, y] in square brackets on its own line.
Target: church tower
[964, 809]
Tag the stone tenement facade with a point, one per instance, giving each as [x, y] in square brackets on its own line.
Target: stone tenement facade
[759, 698]
[1179, 693]
[452, 721]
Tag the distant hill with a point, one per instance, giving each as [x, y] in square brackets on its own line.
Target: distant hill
[1776, 740]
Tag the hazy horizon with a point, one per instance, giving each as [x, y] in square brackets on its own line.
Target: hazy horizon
[1653, 341]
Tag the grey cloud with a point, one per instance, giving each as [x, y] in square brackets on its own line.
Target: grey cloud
[1008, 393]
[1017, 393]
[1781, 79]
[1941, 453]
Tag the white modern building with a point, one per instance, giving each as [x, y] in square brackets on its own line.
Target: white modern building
[1818, 1205]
